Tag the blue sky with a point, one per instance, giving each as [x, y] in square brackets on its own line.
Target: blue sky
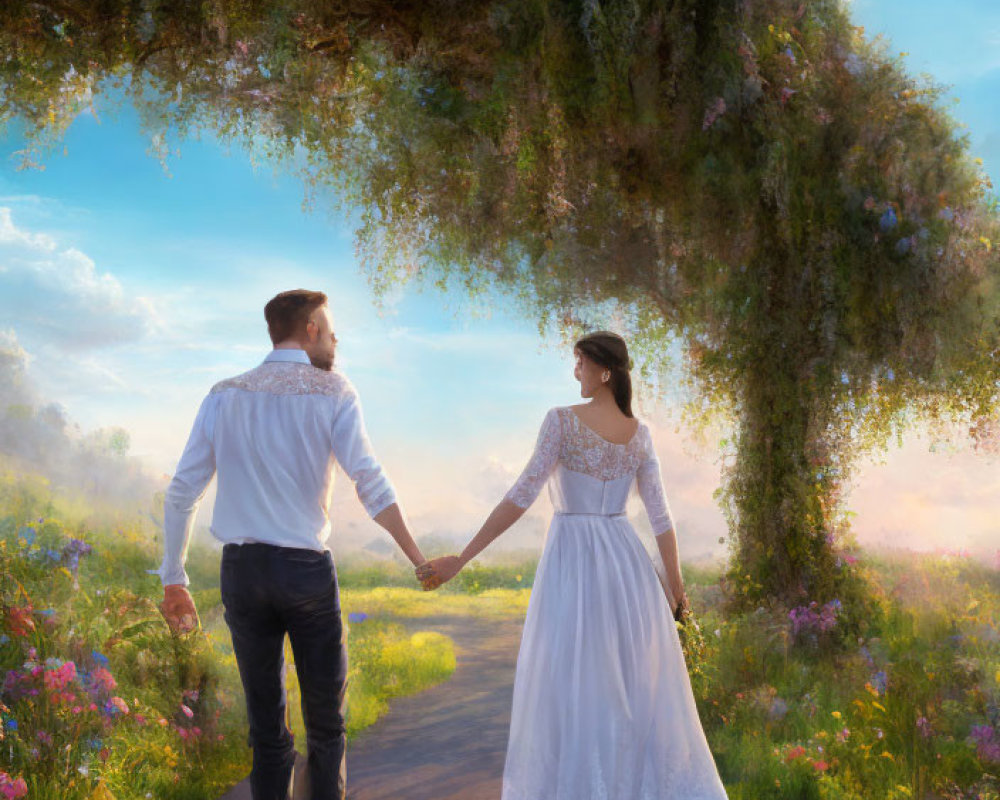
[133, 290]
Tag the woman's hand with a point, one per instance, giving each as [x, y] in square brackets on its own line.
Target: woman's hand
[438, 571]
[682, 608]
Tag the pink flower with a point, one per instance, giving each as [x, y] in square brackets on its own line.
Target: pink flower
[102, 680]
[715, 110]
[57, 679]
[187, 711]
[12, 788]
[120, 704]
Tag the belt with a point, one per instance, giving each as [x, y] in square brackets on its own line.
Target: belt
[234, 550]
[588, 514]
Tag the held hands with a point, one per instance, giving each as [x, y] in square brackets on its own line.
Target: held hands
[178, 609]
[438, 571]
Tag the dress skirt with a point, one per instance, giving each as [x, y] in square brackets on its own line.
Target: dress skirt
[602, 706]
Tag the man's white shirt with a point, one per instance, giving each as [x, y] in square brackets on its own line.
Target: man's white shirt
[273, 435]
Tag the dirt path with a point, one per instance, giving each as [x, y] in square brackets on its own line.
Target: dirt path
[446, 743]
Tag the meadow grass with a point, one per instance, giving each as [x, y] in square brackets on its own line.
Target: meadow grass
[808, 702]
[100, 701]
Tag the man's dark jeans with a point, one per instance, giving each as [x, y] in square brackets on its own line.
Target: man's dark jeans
[269, 591]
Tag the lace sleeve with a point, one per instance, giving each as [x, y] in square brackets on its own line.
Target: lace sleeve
[650, 486]
[527, 487]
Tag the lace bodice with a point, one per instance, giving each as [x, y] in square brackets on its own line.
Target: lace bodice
[564, 440]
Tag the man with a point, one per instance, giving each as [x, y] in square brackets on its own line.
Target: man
[272, 435]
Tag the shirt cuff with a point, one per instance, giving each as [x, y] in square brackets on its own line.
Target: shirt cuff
[170, 575]
[378, 504]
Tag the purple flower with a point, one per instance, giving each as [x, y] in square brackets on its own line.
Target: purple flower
[986, 741]
[888, 220]
[357, 616]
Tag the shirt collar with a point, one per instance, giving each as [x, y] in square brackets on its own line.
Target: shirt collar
[288, 354]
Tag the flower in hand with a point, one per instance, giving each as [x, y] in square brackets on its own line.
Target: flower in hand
[438, 571]
[178, 609]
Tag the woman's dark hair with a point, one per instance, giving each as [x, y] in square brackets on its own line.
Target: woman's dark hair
[287, 313]
[608, 350]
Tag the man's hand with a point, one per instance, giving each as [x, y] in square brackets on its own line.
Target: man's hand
[438, 571]
[178, 608]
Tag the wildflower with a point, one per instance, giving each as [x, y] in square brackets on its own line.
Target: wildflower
[12, 788]
[778, 708]
[20, 621]
[794, 753]
[44, 737]
[821, 766]
[58, 678]
[187, 711]
[71, 552]
[924, 727]
[715, 110]
[119, 704]
[986, 741]
[888, 220]
[879, 681]
[357, 616]
[101, 681]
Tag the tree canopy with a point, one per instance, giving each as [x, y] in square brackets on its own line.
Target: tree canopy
[753, 179]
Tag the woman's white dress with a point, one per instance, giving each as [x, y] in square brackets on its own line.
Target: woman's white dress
[603, 707]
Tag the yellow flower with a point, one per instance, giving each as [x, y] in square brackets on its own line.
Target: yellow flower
[836, 714]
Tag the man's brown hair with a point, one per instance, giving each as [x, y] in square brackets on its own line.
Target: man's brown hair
[287, 313]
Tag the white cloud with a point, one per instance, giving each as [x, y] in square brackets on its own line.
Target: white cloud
[56, 295]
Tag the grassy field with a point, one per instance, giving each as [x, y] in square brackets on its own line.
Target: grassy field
[100, 701]
[817, 701]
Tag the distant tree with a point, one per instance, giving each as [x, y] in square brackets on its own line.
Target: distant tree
[753, 181]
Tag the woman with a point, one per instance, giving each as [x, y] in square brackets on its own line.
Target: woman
[602, 708]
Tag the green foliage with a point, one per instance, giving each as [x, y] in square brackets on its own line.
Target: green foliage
[754, 181]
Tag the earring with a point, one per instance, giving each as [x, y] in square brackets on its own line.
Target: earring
[606, 377]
